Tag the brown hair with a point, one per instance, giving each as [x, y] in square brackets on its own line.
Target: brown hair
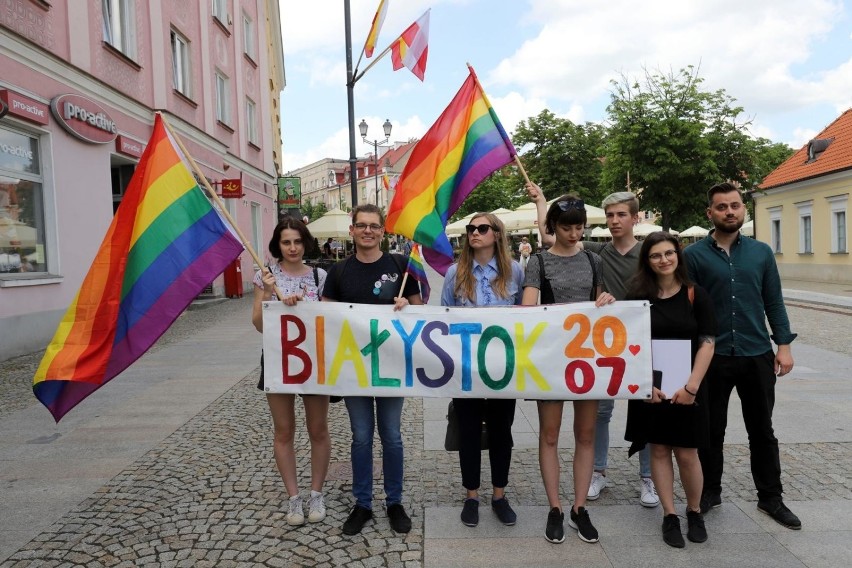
[465, 282]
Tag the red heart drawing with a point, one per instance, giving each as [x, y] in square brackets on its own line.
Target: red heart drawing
[635, 349]
[633, 388]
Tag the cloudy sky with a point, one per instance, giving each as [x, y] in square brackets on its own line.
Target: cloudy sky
[788, 63]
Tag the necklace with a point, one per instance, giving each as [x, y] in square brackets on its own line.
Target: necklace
[669, 292]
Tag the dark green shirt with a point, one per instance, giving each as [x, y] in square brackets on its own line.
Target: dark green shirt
[746, 291]
[618, 268]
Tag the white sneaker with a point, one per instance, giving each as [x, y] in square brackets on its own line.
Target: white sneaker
[295, 515]
[648, 493]
[316, 507]
[596, 486]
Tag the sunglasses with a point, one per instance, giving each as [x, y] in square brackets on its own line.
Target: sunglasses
[569, 204]
[482, 229]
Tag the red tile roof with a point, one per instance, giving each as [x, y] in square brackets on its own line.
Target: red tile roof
[837, 157]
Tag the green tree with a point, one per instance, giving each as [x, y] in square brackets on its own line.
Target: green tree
[314, 211]
[561, 156]
[669, 141]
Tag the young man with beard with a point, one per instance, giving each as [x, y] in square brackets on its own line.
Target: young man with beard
[742, 279]
[372, 276]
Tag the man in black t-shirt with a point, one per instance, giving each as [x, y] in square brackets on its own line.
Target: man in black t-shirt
[371, 276]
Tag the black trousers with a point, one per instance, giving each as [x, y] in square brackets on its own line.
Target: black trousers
[754, 378]
[499, 414]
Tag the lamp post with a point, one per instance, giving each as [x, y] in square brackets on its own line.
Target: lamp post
[387, 126]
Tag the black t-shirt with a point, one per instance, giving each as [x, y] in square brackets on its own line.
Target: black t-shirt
[378, 282]
[674, 318]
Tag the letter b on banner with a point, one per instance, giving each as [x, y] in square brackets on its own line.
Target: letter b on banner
[289, 349]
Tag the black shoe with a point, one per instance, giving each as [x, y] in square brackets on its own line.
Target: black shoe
[581, 521]
[555, 532]
[399, 521]
[671, 531]
[709, 501]
[358, 517]
[504, 512]
[776, 509]
[695, 532]
[470, 512]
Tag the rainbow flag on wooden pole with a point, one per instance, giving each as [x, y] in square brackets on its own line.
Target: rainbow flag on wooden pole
[165, 244]
[466, 144]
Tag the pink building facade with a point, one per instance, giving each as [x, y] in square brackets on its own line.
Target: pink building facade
[78, 92]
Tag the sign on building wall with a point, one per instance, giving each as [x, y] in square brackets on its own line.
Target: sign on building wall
[83, 118]
[289, 192]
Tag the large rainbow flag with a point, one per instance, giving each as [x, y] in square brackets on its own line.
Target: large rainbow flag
[466, 144]
[165, 244]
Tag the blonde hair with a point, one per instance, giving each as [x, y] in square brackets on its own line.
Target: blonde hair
[465, 282]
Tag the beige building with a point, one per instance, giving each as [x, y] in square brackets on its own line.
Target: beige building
[802, 210]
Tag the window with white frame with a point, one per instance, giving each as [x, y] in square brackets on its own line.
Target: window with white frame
[251, 122]
[256, 226]
[805, 227]
[180, 63]
[248, 36]
[775, 229]
[120, 26]
[222, 100]
[838, 205]
[220, 10]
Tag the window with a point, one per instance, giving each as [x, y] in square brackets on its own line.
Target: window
[22, 222]
[248, 36]
[119, 26]
[837, 205]
[180, 63]
[775, 229]
[222, 114]
[805, 227]
[220, 10]
[256, 226]
[251, 122]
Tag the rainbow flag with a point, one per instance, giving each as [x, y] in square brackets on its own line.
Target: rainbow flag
[415, 270]
[466, 144]
[165, 244]
[375, 28]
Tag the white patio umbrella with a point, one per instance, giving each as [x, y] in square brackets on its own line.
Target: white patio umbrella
[694, 231]
[748, 229]
[458, 227]
[601, 232]
[333, 224]
[16, 234]
[645, 229]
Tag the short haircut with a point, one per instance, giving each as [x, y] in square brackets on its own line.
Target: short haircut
[724, 187]
[627, 197]
[556, 216]
[290, 223]
[368, 208]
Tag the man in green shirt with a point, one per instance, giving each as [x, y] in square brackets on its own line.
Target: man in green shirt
[742, 278]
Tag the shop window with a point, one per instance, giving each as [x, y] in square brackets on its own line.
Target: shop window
[119, 25]
[22, 217]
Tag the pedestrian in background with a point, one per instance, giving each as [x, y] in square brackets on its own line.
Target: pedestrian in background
[298, 283]
[485, 275]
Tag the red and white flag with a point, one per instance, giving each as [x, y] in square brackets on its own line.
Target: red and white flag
[412, 47]
[373, 36]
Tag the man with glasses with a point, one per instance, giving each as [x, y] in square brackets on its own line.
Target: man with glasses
[372, 276]
[620, 258]
[742, 279]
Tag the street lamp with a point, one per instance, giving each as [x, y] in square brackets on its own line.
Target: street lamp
[387, 126]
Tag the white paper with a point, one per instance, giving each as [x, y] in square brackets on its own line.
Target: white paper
[674, 358]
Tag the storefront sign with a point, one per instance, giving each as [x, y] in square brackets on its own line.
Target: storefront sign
[129, 146]
[24, 107]
[84, 119]
[289, 191]
[232, 188]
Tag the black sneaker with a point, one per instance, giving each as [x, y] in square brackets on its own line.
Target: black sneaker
[581, 521]
[695, 532]
[709, 501]
[671, 531]
[555, 532]
[470, 512]
[776, 509]
[504, 512]
[358, 517]
[399, 521]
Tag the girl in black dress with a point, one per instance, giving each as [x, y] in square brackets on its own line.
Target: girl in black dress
[674, 422]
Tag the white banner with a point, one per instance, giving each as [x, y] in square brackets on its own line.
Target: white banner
[567, 351]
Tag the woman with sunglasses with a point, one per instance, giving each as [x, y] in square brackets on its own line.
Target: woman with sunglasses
[297, 282]
[566, 274]
[485, 275]
[674, 422]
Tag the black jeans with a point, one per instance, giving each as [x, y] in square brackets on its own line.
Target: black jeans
[754, 379]
[499, 416]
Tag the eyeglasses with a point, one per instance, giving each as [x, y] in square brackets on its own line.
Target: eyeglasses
[658, 256]
[484, 228]
[571, 204]
[371, 226]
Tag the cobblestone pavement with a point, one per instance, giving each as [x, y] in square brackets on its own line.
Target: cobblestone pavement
[210, 495]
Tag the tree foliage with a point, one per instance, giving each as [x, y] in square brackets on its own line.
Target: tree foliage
[561, 156]
[503, 188]
[314, 211]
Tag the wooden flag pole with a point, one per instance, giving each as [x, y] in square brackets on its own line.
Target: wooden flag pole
[218, 201]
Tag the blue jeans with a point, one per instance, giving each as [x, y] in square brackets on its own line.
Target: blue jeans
[605, 408]
[363, 417]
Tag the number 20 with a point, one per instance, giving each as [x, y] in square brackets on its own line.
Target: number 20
[575, 349]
